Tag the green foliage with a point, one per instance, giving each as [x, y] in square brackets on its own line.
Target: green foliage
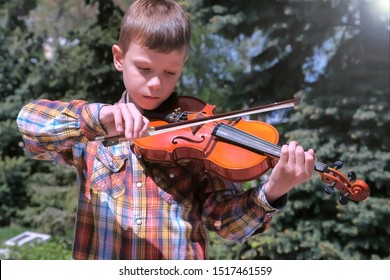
[354, 131]
[343, 115]
[32, 193]
[210, 69]
[9, 232]
[53, 202]
[221, 249]
[352, 233]
[50, 250]
[12, 189]
[54, 249]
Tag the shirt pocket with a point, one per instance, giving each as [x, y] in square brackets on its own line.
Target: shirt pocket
[175, 186]
[109, 173]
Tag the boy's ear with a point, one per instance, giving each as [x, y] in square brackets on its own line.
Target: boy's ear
[118, 57]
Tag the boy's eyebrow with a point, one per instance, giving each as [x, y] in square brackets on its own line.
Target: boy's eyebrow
[149, 61]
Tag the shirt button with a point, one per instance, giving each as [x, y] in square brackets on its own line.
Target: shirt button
[171, 175]
[139, 184]
[138, 222]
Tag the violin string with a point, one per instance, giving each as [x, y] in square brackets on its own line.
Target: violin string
[276, 149]
[261, 145]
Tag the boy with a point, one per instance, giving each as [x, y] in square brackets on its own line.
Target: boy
[131, 209]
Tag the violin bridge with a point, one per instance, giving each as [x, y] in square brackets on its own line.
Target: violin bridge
[196, 128]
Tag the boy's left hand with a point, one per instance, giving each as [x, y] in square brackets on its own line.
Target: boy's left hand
[294, 167]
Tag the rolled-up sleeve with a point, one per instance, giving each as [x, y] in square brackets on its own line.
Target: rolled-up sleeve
[51, 128]
[235, 214]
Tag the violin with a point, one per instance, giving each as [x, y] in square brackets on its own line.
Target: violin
[238, 150]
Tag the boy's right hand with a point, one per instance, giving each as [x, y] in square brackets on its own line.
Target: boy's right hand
[123, 118]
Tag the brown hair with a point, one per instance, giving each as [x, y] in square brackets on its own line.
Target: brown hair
[159, 25]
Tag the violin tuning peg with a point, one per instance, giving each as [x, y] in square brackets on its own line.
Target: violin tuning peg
[351, 176]
[344, 199]
[338, 164]
[329, 189]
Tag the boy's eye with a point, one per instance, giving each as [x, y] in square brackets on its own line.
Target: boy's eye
[145, 69]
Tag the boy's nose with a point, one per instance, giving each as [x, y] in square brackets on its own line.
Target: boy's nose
[154, 83]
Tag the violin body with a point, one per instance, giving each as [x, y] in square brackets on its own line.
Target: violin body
[197, 143]
[240, 150]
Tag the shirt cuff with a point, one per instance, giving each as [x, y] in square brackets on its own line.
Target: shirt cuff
[277, 205]
[89, 120]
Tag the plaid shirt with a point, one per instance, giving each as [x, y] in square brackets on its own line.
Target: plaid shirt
[129, 209]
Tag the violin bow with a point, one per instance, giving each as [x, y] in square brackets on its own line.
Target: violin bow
[110, 140]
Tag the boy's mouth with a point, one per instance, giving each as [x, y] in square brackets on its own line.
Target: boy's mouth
[150, 97]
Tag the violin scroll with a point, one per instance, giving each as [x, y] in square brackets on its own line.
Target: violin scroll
[348, 186]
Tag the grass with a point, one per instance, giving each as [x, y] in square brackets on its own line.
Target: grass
[49, 250]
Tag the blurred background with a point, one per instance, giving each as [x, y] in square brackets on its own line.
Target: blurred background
[334, 54]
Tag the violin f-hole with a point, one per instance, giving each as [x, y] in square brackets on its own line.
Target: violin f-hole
[192, 140]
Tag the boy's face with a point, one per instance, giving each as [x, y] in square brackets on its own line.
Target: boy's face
[149, 76]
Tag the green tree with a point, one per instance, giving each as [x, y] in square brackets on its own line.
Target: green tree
[16, 45]
[357, 80]
[343, 115]
[46, 55]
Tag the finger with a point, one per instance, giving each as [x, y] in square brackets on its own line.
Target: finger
[284, 154]
[300, 156]
[145, 127]
[292, 152]
[118, 119]
[128, 120]
[138, 125]
[309, 161]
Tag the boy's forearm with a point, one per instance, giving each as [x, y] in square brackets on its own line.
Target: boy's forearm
[54, 126]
